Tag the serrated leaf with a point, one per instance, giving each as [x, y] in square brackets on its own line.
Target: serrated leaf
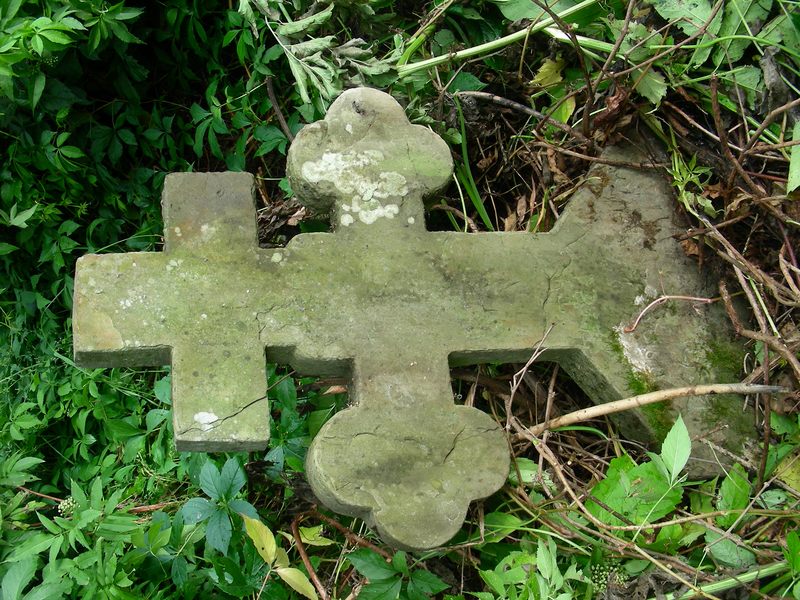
[794, 161]
[427, 583]
[297, 581]
[650, 84]
[219, 531]
[676, 449]
[688, 15]
[734, 494]
[262, 537]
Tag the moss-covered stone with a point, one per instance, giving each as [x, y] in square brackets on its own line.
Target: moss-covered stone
[387, 303]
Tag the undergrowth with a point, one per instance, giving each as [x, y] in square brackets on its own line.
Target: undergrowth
[100, 100]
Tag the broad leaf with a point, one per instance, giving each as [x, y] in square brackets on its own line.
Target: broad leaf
[262, 537]
[734, 494]
[297, 581]
[210, 480]
[17, 577]
[232, 479]
[197, 509]
[727, 552]
[371, 565]
[676, 449]
[381, 590]
[219, 531]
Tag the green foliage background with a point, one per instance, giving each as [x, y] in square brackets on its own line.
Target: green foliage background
[98, 101]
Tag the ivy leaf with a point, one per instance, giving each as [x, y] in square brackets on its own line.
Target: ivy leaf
[298, 582]
[262, 537]
[676, 449]
[219, 531]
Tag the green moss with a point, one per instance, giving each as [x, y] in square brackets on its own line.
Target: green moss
[660, 418]
[638, 383]
[724, 359]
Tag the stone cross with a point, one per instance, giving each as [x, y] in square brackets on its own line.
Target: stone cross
[393, 306]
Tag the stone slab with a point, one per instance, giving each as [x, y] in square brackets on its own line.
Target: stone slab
[392, 306]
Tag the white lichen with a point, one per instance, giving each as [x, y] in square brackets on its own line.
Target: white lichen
[277, 257]
[177, 231]
[346, 219]
[206, 420]
[345, 170]
[637, 355]
[410, 220]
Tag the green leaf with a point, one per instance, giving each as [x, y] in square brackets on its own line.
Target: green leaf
[307, 24]
[741, 18]
[243, 507]
[371, 565]
[549, 73]
[312, 536]
[297, 581]
[650, 84]
[262, 537]
[727, 552]
[688, 15]
[734, 494]
[676, 449]
[7, 248]
[17, 577]
[465, 82]
[219, 531]
[381, 590]
[426, 582]
[794, 161]
[197, 509]
[38, 88]
[232, 479]
[210, 481]
[792, 552]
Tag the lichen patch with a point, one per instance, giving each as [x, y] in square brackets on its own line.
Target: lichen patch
[206, 420]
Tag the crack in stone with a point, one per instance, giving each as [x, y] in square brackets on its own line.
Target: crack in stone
[215, 424]
[453, 447]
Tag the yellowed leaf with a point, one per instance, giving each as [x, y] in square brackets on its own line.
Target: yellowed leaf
[298, 582]
[262, 538]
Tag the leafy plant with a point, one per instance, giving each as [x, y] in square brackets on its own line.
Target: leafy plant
[394, 579]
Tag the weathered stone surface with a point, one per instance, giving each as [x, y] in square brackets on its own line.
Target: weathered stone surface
[392, 306]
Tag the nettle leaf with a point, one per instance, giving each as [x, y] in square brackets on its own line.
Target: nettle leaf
[734, 494]
[219, 531]
[232, 479]
[262, 537]
[298, 582]
[676, 449]
[741, 18]
[371, 565]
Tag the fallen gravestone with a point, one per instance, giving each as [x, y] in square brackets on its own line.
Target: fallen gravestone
[394, 306]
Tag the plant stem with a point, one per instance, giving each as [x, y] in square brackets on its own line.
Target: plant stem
[406, 70]
[732, 582]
